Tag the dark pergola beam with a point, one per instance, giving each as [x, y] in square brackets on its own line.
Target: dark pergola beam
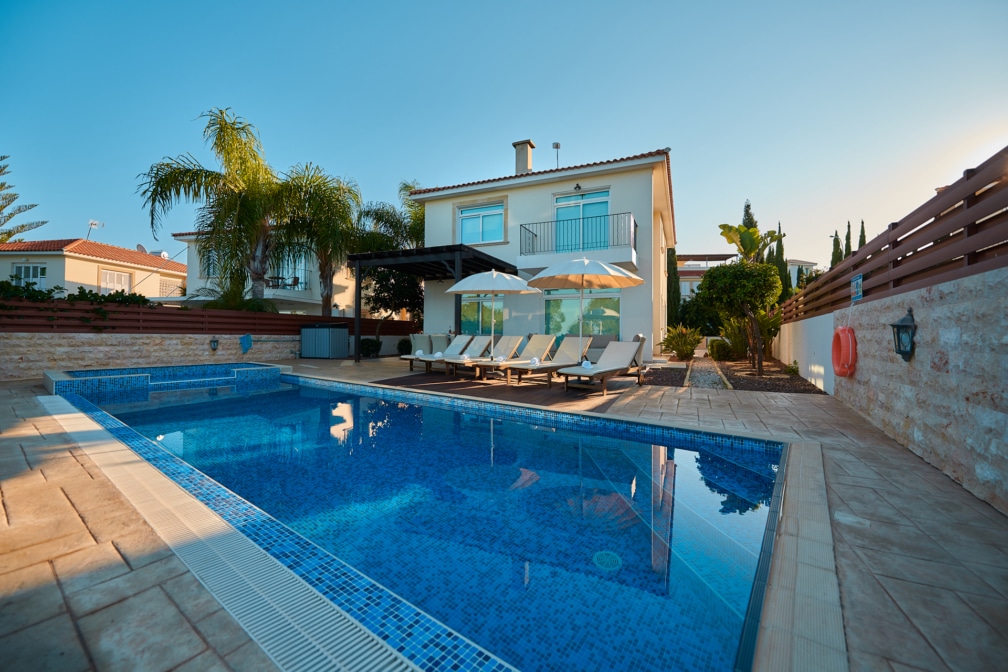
[443, 262]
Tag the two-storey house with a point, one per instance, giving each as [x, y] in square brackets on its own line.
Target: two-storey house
[619, 211]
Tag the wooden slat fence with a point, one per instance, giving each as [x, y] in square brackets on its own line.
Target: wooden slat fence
[960, 232]
[61, 316]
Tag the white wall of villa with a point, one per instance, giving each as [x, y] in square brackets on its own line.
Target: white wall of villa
[638, 186]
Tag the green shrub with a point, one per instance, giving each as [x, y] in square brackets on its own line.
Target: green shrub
[404, 346]
[769, 326]
[792, 369]
[370, 347]
[736, 332]
[719, 350]
[682, 341]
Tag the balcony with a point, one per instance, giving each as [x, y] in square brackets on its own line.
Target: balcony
[609, 238]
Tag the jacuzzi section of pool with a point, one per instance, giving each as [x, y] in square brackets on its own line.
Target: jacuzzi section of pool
[135, 384]
[470, 535]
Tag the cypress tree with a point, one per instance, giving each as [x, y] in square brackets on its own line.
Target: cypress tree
[861, 239]
[800, 278]
[781, 263]
[673, 294]
[847, 246]
[837, 256]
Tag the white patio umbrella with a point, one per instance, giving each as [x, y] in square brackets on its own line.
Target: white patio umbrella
[584, 274]
[492, 283]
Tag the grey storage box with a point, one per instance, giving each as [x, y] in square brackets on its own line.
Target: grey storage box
[325, 341]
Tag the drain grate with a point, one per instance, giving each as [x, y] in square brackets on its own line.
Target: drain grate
[607, 560]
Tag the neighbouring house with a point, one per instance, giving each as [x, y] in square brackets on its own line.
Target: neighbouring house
[794, 264]
[98, 267]
[619, 211]
[691, 268]
[293, 288]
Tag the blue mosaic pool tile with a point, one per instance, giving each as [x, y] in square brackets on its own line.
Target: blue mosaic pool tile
[427, 642]
[134, 384]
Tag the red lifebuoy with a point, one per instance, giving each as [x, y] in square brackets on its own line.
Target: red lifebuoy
[844, 351]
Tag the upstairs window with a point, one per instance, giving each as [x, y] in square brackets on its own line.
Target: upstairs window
[483, 224]
[582, 221]
[113, 281]
[26, 273]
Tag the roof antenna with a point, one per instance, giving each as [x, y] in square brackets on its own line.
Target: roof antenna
[93, 224]
[556, 146]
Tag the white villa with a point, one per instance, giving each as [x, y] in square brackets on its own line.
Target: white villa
[293, 289]
[619, 211]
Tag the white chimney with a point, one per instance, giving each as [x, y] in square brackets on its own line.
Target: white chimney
[523, 156]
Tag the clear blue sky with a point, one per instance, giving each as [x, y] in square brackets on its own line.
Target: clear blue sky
[818, 113]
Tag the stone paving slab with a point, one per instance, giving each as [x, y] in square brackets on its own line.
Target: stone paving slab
[85, 583]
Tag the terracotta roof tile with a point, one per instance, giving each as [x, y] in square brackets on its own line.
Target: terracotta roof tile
[655, 153]
[88, 248]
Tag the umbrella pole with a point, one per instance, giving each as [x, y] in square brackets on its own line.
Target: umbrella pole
[581, 324]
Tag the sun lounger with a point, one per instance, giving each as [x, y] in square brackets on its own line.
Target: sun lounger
[476, 347]
[619, 358]
[420, 345]
[454, 349]
[438, 343]
[536, 350]
[504, 349]
[569, 353]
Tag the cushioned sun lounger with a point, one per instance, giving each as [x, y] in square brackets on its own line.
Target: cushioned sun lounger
[619, 358]
[454, 349]
[570, 353]
[502, 350]
[476, 347]
[420, 345]
[536, 350]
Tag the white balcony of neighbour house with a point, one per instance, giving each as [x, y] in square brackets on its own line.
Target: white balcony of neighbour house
[608, 238]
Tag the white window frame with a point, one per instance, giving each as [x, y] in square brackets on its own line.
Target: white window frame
[112, 281]
[473, 211]
[35, 273]
[579, 199]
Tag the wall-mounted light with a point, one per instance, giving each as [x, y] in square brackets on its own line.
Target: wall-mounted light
[577, 187]
[903, 335]
[213, 344]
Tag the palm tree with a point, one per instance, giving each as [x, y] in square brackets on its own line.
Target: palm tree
[382, 226]
[319, 216]
[235, 223]
[6, 200]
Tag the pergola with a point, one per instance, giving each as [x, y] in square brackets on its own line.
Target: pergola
[444, 262]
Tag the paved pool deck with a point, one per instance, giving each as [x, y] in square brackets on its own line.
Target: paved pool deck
[910, 569]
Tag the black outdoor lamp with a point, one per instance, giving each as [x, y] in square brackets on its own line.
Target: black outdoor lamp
[213, 344]
[903, 335]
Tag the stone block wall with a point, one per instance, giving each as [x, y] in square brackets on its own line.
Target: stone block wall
[949, 403]
[27, 356]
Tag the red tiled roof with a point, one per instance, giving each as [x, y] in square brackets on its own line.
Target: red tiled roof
[88, 248]
[646, 155]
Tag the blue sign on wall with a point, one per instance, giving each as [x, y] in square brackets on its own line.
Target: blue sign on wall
[855, 288]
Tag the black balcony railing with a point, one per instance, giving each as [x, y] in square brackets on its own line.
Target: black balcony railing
[577, 235]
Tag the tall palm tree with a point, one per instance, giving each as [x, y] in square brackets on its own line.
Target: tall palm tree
[318, 214]
[235, 222]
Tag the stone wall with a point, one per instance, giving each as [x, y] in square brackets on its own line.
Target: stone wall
[27, 356]
[949, 403]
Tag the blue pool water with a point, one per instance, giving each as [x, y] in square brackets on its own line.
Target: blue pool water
[551, 541]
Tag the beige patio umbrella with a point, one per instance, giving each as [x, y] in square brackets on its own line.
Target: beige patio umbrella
[492, 283]
[584, 274]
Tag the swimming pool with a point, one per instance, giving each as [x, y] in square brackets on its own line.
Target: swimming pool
[551, 540]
